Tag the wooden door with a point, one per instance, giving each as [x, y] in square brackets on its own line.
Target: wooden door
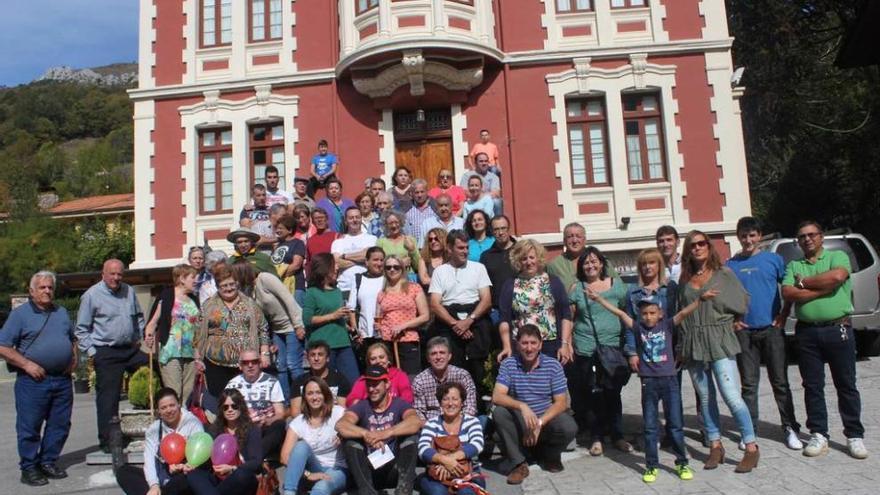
[425, 158]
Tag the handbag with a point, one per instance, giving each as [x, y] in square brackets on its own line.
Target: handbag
[448, 444]
[267, 481]
[15, 369]
[195, 399]
[613, 370]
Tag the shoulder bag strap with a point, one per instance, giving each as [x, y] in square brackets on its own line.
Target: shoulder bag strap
[37, 336]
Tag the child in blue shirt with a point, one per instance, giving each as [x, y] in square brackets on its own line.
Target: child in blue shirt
[324, 167]
[649, 345]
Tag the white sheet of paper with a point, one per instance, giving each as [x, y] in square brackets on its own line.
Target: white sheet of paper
[379, 458]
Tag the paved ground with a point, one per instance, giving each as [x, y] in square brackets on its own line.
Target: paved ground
[780, 470]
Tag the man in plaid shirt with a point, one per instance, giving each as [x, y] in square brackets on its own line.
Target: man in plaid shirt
[425, 384]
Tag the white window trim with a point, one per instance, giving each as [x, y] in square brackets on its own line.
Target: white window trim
[240, 115]
[584, 79]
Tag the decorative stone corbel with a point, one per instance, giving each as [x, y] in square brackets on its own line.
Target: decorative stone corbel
[414, 63]
[212, 98]
[582, 72]
[262, 92]
[639, 62]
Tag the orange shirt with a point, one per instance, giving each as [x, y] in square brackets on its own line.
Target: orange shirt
[397, 308]
[489, 148]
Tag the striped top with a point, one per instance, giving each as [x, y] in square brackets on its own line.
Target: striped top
[532, 386]
[470, 435]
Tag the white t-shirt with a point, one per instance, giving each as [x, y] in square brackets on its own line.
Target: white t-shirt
[459, 285]
[260, 396]
[323, 440]
[366, 296]
[279, 196]
[346, 245]
[673, 271]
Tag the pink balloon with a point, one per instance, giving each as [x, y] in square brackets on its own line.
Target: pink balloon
[225, 450]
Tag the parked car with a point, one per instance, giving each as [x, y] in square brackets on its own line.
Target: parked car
[865, 282]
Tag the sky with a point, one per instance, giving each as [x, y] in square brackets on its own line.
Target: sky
[38, 34]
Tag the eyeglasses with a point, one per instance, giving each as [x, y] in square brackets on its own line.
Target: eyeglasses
[699, 244]
[445, 176]
[811, 235]
[392, 268]
[433, 238]
[228, 285]
[230, 407]
[250, 362]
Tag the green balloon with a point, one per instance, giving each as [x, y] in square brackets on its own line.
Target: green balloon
[198, 448]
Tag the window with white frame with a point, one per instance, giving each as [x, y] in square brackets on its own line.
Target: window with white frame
[588, 142]
[565, 6]
[216, 25]
[265, 20]
[627, 4]
[215, 171]
[643, 130]
[266, 148]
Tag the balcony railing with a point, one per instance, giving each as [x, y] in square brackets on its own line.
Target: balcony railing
[372, 26]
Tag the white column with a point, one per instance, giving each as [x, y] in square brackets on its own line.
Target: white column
[241, 186]
[238, 62]
[485, 20]
[346, 26]
[384, 18]
[605, 27]
[438, 12]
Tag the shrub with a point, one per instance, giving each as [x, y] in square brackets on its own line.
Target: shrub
[139, 387]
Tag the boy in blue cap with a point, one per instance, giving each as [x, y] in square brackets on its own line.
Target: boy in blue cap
[650, 348]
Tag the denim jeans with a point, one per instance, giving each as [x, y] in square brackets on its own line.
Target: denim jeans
[835, 345]
[666, 389]
[48, 402]
[302, 458]
[344, 361]
[767, 343]
[289, 359]
[725, 374]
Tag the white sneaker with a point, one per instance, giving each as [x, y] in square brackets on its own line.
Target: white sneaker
[742, 446]
[857, 448]
[791, 439]
[817, 446]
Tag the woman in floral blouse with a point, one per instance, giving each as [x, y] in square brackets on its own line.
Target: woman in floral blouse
[231, 322]
[534, 296]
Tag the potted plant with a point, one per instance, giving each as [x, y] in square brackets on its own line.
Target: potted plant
[134, 421]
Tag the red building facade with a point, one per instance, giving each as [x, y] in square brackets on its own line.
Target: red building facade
[617, 114]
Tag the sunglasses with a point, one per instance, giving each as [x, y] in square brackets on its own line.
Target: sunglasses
[392, 268]
[230, 407]
[445, 176]
[250, 362]
[699, 244]
[811, 235]
[433, 238]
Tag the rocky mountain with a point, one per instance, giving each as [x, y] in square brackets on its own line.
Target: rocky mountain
[110, 75]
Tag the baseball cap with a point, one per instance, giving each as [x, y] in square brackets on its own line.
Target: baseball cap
[648, 300]
[374, 372]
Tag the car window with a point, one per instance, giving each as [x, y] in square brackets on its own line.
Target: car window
[791, 251]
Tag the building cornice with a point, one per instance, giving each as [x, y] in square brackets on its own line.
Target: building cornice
[536, 57]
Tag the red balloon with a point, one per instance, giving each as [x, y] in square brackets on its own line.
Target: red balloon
[173, 448]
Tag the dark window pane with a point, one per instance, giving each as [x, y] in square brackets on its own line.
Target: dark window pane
[259, 157]
[259, 133]
[632, 128]
[630, 103]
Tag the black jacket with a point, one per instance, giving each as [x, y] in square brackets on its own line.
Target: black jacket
[497, 262]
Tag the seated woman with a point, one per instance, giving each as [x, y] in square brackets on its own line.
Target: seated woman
[157, 476]
[312, 448]
[378, 354]
[457, 467]
[241, 478]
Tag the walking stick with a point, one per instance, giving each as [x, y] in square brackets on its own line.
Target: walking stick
[150, 383]
[396, 355]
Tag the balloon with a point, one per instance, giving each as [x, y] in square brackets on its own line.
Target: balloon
[173, 448]
[225, 450]
[198, 448]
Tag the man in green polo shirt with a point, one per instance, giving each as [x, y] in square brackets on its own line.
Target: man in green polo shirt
[819, 285]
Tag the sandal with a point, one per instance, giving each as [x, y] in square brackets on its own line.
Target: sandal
[596, 449]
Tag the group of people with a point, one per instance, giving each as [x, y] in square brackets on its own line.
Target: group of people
[353, 340]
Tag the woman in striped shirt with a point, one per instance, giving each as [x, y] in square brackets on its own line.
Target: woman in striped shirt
[451, 467]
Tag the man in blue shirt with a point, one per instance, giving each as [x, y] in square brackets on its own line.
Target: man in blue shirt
[761, 333]
[109, 326]
[530, 407]
[324, 167]
[38, 340]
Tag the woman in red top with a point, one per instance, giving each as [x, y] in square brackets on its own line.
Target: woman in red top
[402, 309]
[378, 354]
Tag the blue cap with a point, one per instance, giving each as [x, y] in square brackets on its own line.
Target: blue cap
[648, 300]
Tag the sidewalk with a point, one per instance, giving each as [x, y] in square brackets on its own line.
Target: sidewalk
[780, 471]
